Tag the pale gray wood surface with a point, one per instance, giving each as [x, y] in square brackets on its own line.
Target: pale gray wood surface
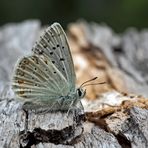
[48, 130]
[54, 129]
[127, 51]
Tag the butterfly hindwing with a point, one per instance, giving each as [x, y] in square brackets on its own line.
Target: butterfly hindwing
[37, 78]
[54, 46]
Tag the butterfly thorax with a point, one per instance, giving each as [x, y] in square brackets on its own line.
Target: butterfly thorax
[72, 99]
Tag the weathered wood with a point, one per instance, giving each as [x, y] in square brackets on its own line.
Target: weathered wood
[126, 53]
[135, 129]
[58, 130]
[130, 126]
[112, 127]
[48, 130]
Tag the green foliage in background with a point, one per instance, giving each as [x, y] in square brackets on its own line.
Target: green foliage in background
[118, 14]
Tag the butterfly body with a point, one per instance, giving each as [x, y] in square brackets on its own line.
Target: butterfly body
[72, 100]
[47, 77]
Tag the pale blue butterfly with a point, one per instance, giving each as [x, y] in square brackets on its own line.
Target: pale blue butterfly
[46, 79]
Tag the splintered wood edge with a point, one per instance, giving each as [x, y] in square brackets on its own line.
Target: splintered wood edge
[55, 130]
[135, 129]
[42, 129]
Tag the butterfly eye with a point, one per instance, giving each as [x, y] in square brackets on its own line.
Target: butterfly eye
[79, 92]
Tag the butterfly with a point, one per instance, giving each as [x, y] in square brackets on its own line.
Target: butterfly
[46, 79]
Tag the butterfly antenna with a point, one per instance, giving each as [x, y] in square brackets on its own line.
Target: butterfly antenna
[93, 84]
[88, 81]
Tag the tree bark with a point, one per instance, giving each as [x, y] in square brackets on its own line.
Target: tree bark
[114, 126]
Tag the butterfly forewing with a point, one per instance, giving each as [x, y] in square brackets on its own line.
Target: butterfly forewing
[54, 46]
[37, 78]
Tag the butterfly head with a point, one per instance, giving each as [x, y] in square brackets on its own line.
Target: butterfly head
[81, 92]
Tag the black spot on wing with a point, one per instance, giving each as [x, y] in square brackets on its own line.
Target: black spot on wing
[62, 59]
[53, 62]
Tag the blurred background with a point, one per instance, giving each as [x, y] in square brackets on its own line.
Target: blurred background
[108, 37]
[119, 14]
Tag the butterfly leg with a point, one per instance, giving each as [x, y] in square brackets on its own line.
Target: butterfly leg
[76, 107]
[52, 108]
[70, 108]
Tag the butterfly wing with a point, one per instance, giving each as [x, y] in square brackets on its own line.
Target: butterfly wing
[54, 46]
[36, 79]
